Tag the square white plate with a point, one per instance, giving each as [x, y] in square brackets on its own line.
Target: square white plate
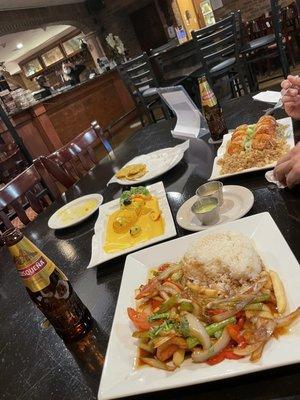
[99, 256]
[120, 379]
[216, 172]
[158, 162]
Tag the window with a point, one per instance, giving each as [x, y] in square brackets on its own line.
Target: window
[32, 67]
[52, 56]
[72, 45]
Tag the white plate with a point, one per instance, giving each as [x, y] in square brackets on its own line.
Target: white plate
[216, 172]
[120, 379]
[158, 162]
[55, 222]
[238, 200]
[98, 254]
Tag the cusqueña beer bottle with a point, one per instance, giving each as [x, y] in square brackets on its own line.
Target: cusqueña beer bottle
[49, 288]
[212, 111]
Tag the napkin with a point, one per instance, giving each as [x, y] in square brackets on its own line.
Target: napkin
[271, 178]
[269, 96]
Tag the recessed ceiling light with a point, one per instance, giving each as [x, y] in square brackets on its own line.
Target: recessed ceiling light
[19, 46]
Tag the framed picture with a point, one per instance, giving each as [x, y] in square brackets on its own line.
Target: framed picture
[72, 45]
[52, 56]
[32, 67]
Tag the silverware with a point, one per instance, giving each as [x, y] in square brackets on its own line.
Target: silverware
[270, 110]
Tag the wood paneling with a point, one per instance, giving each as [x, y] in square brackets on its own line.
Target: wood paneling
[48, 125]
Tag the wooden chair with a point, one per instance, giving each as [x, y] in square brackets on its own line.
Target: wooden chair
[32, 189]
[76, 158]
[141, 82]
[268, 43]
[218, 51]
[11, 162]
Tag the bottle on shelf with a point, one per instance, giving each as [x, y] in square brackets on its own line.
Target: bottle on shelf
[48, 287]
[212, 111]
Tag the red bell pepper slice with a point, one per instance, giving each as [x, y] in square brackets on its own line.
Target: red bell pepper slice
[139, 319]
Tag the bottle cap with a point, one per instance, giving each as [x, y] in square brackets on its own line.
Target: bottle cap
[11, 237]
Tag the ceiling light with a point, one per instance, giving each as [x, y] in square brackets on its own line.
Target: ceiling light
[19, 46]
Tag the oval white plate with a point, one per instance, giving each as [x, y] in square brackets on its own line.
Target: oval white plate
[238, 200]
[55, 222]
[158, 163]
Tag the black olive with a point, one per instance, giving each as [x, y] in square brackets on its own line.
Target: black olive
[127, 202]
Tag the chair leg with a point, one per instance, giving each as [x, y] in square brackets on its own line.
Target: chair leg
[283, 61]
[232, 88]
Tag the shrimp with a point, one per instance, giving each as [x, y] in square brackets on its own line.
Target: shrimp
[235, 147]
[238, 134]
[265, 130]
[243, 127]
[262, 141]
[267, 120]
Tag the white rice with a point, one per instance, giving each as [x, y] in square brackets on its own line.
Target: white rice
[223, 254]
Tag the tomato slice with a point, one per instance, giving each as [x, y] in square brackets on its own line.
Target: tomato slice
[229, 354]
[162, 267]
[149, 289]
[215, 312]
[235, 334]
[139, 319]
[155, 303]
[216, 359]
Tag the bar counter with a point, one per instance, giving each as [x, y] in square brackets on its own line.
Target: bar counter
[55, 120]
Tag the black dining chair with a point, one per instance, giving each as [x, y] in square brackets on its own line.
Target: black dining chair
[267, 42]
[218, 51]
[141, 82]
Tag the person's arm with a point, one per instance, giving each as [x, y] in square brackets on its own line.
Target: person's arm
[287, 170]
[291, 96]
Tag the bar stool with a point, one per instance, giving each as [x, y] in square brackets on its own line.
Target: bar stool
[218, 50]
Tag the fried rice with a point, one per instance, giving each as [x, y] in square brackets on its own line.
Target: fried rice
[253, 158]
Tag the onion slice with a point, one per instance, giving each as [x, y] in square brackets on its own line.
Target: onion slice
[248, 349]
[169, 271]
[153, 362]
[201, 356]
[231, 313]
[286, 321]
[198, 330]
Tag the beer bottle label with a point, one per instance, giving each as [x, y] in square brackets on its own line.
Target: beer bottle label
[33, 266]
[207, 96]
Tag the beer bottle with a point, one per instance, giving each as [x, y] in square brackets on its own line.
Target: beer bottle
[49, 288]
[212, 111]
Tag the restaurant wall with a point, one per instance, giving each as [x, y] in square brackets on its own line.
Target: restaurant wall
[250, 9]
[115, 18]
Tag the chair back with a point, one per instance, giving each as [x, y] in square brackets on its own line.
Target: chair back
[78, 156]
[11, 163]
[138, 74]
[172, 62]
[217, 42]
[32, 188]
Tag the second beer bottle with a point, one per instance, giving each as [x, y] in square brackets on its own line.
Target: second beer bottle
[212, 111]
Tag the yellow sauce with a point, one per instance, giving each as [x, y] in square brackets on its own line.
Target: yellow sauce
[77, 211]
[148, 228]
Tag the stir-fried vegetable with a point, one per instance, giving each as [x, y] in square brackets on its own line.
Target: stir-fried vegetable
[217, 326]
[176, 318]
[279, 292]
[197, 330]
[203, 355]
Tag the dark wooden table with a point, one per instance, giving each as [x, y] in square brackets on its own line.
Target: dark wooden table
[35, 364]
